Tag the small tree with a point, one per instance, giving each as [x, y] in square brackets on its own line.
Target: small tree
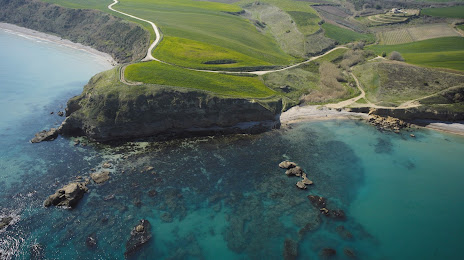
[396, 56]
[384, 54]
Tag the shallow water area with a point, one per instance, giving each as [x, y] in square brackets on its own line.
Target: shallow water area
[219, 197]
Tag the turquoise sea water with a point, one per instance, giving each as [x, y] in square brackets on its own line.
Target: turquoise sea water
[221, 197]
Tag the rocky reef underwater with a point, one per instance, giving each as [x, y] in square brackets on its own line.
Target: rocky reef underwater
[199, 198]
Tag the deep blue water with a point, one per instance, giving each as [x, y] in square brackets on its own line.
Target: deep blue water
[221, 197]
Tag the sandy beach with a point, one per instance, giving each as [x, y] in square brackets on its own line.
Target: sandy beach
[317, 113]
[28, 33]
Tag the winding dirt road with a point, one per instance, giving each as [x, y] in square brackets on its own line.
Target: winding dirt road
[155, 28]
[149, 57]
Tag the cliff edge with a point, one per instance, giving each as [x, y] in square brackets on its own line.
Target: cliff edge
[110, 110]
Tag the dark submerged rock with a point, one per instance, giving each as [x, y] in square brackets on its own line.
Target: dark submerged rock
[37, 252]
[45, 135]
[290, 249]
[327, 252]
[139, 236]
[338, 214]
[68, 196]
[318, 202]
[349, 252]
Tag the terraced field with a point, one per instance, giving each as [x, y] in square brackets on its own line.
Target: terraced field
[389, 18]
[445, 52]
[417, 33]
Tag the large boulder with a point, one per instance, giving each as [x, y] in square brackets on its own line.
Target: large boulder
[139, 236]
[100, 177]
[68, 196]
[45, 135]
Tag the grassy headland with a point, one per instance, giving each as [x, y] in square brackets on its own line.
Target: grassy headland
[162, 74]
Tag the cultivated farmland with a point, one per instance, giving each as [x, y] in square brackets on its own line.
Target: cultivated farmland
[445, 52]
[450, 12]
[417, 33]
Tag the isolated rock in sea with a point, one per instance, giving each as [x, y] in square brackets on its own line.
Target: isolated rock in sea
[60, 113]
[290, 249]
[327, 252]
[100, 177]
[139, 236]
[318, 202]
[301, 185]
[91, 241]
[68, 196]
[5, 222]
[45, 135]
[297, 171]
[287, 165]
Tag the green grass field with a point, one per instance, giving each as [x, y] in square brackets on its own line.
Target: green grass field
[450, 12]
[343, 36]
[195, 54]
[461, 26]
[230, 85]
[440, 52]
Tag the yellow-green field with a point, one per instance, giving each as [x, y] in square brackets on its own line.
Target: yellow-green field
[162, 74]
[416, 33]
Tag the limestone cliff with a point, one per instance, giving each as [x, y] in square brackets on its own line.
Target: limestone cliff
[109, 110]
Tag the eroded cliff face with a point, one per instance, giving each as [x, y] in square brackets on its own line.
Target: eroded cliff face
[124, 41]
[164, 112]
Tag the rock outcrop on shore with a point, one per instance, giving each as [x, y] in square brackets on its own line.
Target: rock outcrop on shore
[68, 196]
[4, 222]
[45, 135]
[115, 111]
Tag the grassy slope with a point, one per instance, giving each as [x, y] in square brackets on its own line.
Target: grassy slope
[451, 12]
[208, 23]
[304, 15]
[343, 36]
[441, 52]
[162, 74]
[302, 79]
[389, 83]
